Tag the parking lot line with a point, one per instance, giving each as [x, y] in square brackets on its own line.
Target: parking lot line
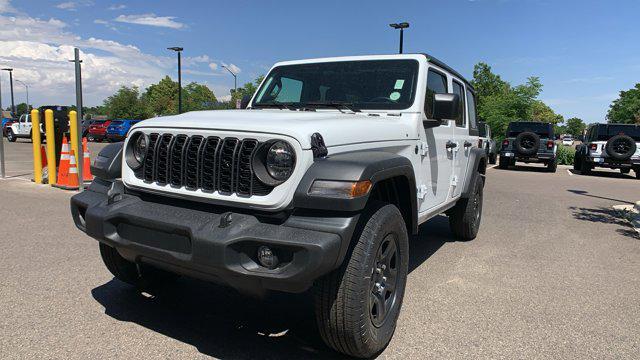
[569, 172]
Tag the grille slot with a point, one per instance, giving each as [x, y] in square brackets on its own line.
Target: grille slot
[198, 163]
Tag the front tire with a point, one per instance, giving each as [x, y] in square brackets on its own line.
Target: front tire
[357, 305]
[11, 136]
[504, 163]
[585, 168]
[465, 216]
[492, 159]
[127, 271]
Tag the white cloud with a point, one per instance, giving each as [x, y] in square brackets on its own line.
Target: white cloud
[213, 66]
[194, 60]
[117, 7]
[5, 7]
[150, 20]
[99, 21]
[69, 5]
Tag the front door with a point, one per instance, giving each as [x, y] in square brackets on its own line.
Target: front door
[436, 157]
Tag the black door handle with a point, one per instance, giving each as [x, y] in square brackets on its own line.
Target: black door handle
[467, 144]
[451, 145]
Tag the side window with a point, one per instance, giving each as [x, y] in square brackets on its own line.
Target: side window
[471, 102]
[436, 84]
[459, 90]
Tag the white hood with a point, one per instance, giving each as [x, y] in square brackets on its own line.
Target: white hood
[336, 128]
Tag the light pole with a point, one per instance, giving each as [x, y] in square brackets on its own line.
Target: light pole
[13, 105]
[179, 50]
[401, 26]
[27, 88]
[235, 78]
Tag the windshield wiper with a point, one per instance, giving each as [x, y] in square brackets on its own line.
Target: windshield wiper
[276, 104]
[334, 104]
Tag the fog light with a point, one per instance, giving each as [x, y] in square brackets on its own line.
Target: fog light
[267, 258]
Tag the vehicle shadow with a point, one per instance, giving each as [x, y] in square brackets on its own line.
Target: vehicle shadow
[222, 323]
[605, 174]
[527, 168]
[605, 216]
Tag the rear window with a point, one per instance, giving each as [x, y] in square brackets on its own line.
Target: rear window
[116, 123]
[605, 132]
[541, 129]
[482, 129]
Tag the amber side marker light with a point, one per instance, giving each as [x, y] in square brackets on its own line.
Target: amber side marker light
[340, 189]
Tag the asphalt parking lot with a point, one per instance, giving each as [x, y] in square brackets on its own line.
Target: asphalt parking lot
[554, 273]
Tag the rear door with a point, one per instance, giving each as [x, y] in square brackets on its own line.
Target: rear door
[462, 138]
[436, 160]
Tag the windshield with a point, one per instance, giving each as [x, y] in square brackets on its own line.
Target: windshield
[541, 129]
[482, 130]
[605, 132]
[371, 84]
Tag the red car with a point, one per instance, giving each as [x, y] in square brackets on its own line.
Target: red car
[98, 130]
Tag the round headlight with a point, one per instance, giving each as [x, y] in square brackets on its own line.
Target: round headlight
[140, 148]
[280, 161]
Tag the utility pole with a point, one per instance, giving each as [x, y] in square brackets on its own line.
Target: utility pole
[2, 172]
[401, 26]
[13, 105]
[80, 156]
[179, 51]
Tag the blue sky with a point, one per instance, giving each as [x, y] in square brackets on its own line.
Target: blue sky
[584, 52]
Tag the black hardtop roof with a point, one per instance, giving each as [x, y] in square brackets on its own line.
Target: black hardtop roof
[439, 63]
[616, 124]
[531, 122]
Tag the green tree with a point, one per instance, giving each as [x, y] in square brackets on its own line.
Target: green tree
[575, 126]
[486, 83]
[626, 108]
[162, 98]
[198, 97]
[21, 108]
[126, 103]
[247, 89]
[543, 113]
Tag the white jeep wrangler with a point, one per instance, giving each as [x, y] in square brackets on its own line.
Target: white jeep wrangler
[613, 146]
[21, 128]
[319, 183]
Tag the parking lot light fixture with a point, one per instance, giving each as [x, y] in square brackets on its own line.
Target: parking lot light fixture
[401, 26]
[27, 89]
[13, 105]
[179, 51]
[235, 78]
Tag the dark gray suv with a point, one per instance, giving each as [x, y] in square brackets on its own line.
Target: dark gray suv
[529, 142]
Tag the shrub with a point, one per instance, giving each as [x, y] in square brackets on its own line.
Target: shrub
[565, 155]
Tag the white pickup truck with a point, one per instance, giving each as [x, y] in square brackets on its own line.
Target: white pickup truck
[21, 128]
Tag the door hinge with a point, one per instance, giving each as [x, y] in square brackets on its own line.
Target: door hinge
[422, 191]
[424, 148]
[454, 180]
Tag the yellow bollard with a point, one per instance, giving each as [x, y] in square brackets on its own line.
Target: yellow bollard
[35, 139]
[73, 123]
[51, 146]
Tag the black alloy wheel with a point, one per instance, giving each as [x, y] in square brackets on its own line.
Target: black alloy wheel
[383, 281]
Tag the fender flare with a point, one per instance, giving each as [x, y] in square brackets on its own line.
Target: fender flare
[372, 165]
[477, 156]
[108, 164]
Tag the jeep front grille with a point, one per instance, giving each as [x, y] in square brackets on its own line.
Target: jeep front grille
[209, 164]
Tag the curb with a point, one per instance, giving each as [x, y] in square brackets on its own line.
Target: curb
[631, 213]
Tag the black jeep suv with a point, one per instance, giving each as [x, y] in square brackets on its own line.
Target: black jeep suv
[613, 146]
[529, 142]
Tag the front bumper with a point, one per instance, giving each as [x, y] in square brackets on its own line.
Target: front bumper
[198, 240]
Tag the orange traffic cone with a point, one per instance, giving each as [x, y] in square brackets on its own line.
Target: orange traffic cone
[63, 171]
[86, 162]
[72, 179]
[45, 168]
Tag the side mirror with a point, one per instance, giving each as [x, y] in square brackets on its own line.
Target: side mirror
[245, 101]
[446, 106]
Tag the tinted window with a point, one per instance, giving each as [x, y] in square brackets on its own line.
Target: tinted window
[436, 84]
[541, 129]
[459, 90]
[116, 123]
[605, 132]
[375, 84]
[482, 130]
[471, 101]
